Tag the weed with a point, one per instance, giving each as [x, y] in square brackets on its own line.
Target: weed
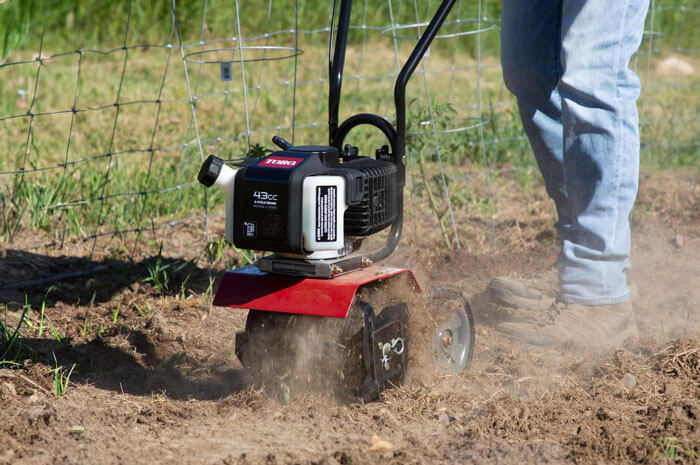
[10, 340]
[168, 365]
[115, 312]
[257, 151]
[247, 255]
[216, 248]
[169, 278]
[12, 210]
[144, 314]
[27, 309]
[58, 337]
[207, 295]
[183, 283]
[138, 309]
[42, 318]
[671, 448]
[437, 153]
[60, 377]
[433, 202]
[87, 323]
[158, 273]
[183, 287]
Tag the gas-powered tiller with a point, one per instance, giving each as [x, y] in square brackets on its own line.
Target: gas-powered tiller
[318, 297]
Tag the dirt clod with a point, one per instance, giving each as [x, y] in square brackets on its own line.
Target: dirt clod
[7, 390]
[629, 381]
[678, 240]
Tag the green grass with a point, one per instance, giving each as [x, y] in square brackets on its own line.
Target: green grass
[169, 278]
[31, 323]
[12, 350]
[672, 449]
[133, 167]
[115, 312]
[100, 23]
[61, 377]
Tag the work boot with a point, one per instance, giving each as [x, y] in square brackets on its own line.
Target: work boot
[535, 292]
[598, 326]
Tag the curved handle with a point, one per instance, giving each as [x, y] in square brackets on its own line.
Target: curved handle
[405, 74]
[396, 136]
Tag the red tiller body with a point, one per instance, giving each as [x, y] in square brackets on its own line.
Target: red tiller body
[250, 288]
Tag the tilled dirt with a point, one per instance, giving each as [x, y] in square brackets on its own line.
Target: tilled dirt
[155, 378]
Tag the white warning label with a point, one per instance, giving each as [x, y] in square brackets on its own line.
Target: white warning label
[326, 213]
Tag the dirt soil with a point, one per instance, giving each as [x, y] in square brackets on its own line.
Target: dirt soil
[155, 378]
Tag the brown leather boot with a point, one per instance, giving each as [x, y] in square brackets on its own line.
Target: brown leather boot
[535, 292]
[598, 326]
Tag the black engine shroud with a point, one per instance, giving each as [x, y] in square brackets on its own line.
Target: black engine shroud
[268, 196]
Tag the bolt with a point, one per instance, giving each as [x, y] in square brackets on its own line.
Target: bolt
[447, 338]
[397, 345]
[386, 349]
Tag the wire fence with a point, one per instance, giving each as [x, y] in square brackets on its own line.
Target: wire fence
[103, 144]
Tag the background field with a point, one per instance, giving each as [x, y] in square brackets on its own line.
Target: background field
[110, 248]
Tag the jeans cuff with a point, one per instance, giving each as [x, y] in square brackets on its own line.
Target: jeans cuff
[572, 299]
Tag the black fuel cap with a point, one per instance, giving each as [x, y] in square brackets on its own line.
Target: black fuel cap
[210, 170]
[319, 150]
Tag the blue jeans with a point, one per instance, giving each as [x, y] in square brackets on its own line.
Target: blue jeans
[567, 63]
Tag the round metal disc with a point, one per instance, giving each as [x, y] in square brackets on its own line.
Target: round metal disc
[453, 343]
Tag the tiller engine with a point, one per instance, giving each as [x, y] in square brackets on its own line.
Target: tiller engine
[318, 299]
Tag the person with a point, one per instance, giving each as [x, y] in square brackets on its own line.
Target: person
[567, 63]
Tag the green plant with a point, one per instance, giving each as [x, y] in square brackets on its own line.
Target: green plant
[141, 313]
[435, 157]
[257, 151]
[169, 278]
[42, 319]
[138, 309]
[115, 312]
[15, 18]
[183, 284]
[207, 295]
[216, 248]
[158, 273]
[10, 340]
[58, 337]
[60, 377]
[169, 364]
[13, 210]
[439, 213]
[27, 308]
[87, 323]
[673, 449]
[127, 171]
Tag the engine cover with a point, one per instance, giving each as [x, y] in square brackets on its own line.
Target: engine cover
[310, 199]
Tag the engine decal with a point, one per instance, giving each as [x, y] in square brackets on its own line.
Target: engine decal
[251, 229]
[280, 162]
[326, 220]
[264, 199]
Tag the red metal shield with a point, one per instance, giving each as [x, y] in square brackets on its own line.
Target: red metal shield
[250, 288]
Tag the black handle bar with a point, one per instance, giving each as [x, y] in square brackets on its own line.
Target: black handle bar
[396, 136]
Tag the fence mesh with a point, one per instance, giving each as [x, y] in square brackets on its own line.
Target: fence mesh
[103, 142]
